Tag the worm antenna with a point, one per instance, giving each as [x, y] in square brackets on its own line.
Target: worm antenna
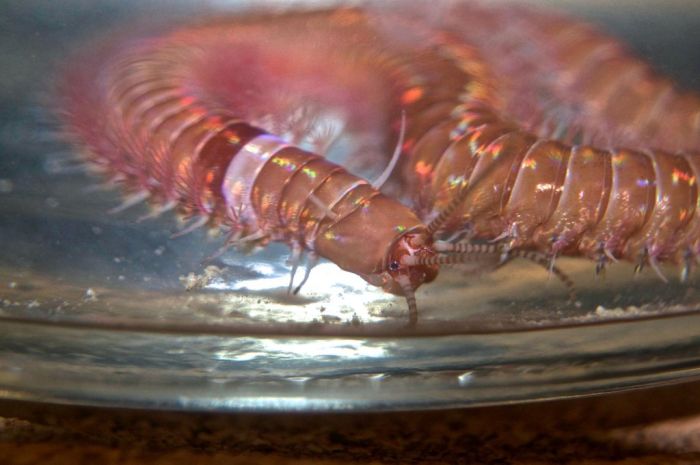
[467, 247]
[465, 253]
[410, 295]
[439, 221]
[545, 262]
[384, 177]
[451, 208]
[439, 260]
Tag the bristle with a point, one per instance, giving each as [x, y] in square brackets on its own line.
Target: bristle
[294, 260]
[196, 224]
[311, 263]
[130, 201]
[158, 210]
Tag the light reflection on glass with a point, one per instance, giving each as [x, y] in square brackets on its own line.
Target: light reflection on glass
[342, 296]
[320, 350]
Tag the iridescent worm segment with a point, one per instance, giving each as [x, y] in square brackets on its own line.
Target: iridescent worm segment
[545, 139]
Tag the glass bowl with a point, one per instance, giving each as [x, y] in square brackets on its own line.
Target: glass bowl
[99, 309]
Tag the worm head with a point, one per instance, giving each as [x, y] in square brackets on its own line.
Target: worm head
[404, 275]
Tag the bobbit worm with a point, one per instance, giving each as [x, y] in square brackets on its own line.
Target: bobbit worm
[545, 139]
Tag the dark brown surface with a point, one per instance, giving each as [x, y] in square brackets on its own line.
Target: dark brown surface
[657, 426]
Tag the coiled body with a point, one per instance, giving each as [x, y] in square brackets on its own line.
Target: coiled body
[505, 141]
[587, 150]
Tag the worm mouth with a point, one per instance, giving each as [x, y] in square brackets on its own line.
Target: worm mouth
[405, 273]
[403, 270]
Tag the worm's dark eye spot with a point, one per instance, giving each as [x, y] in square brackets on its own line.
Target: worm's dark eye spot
[394, 266]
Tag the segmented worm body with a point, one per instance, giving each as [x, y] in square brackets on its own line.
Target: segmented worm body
[511, 138]
[594, 154]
